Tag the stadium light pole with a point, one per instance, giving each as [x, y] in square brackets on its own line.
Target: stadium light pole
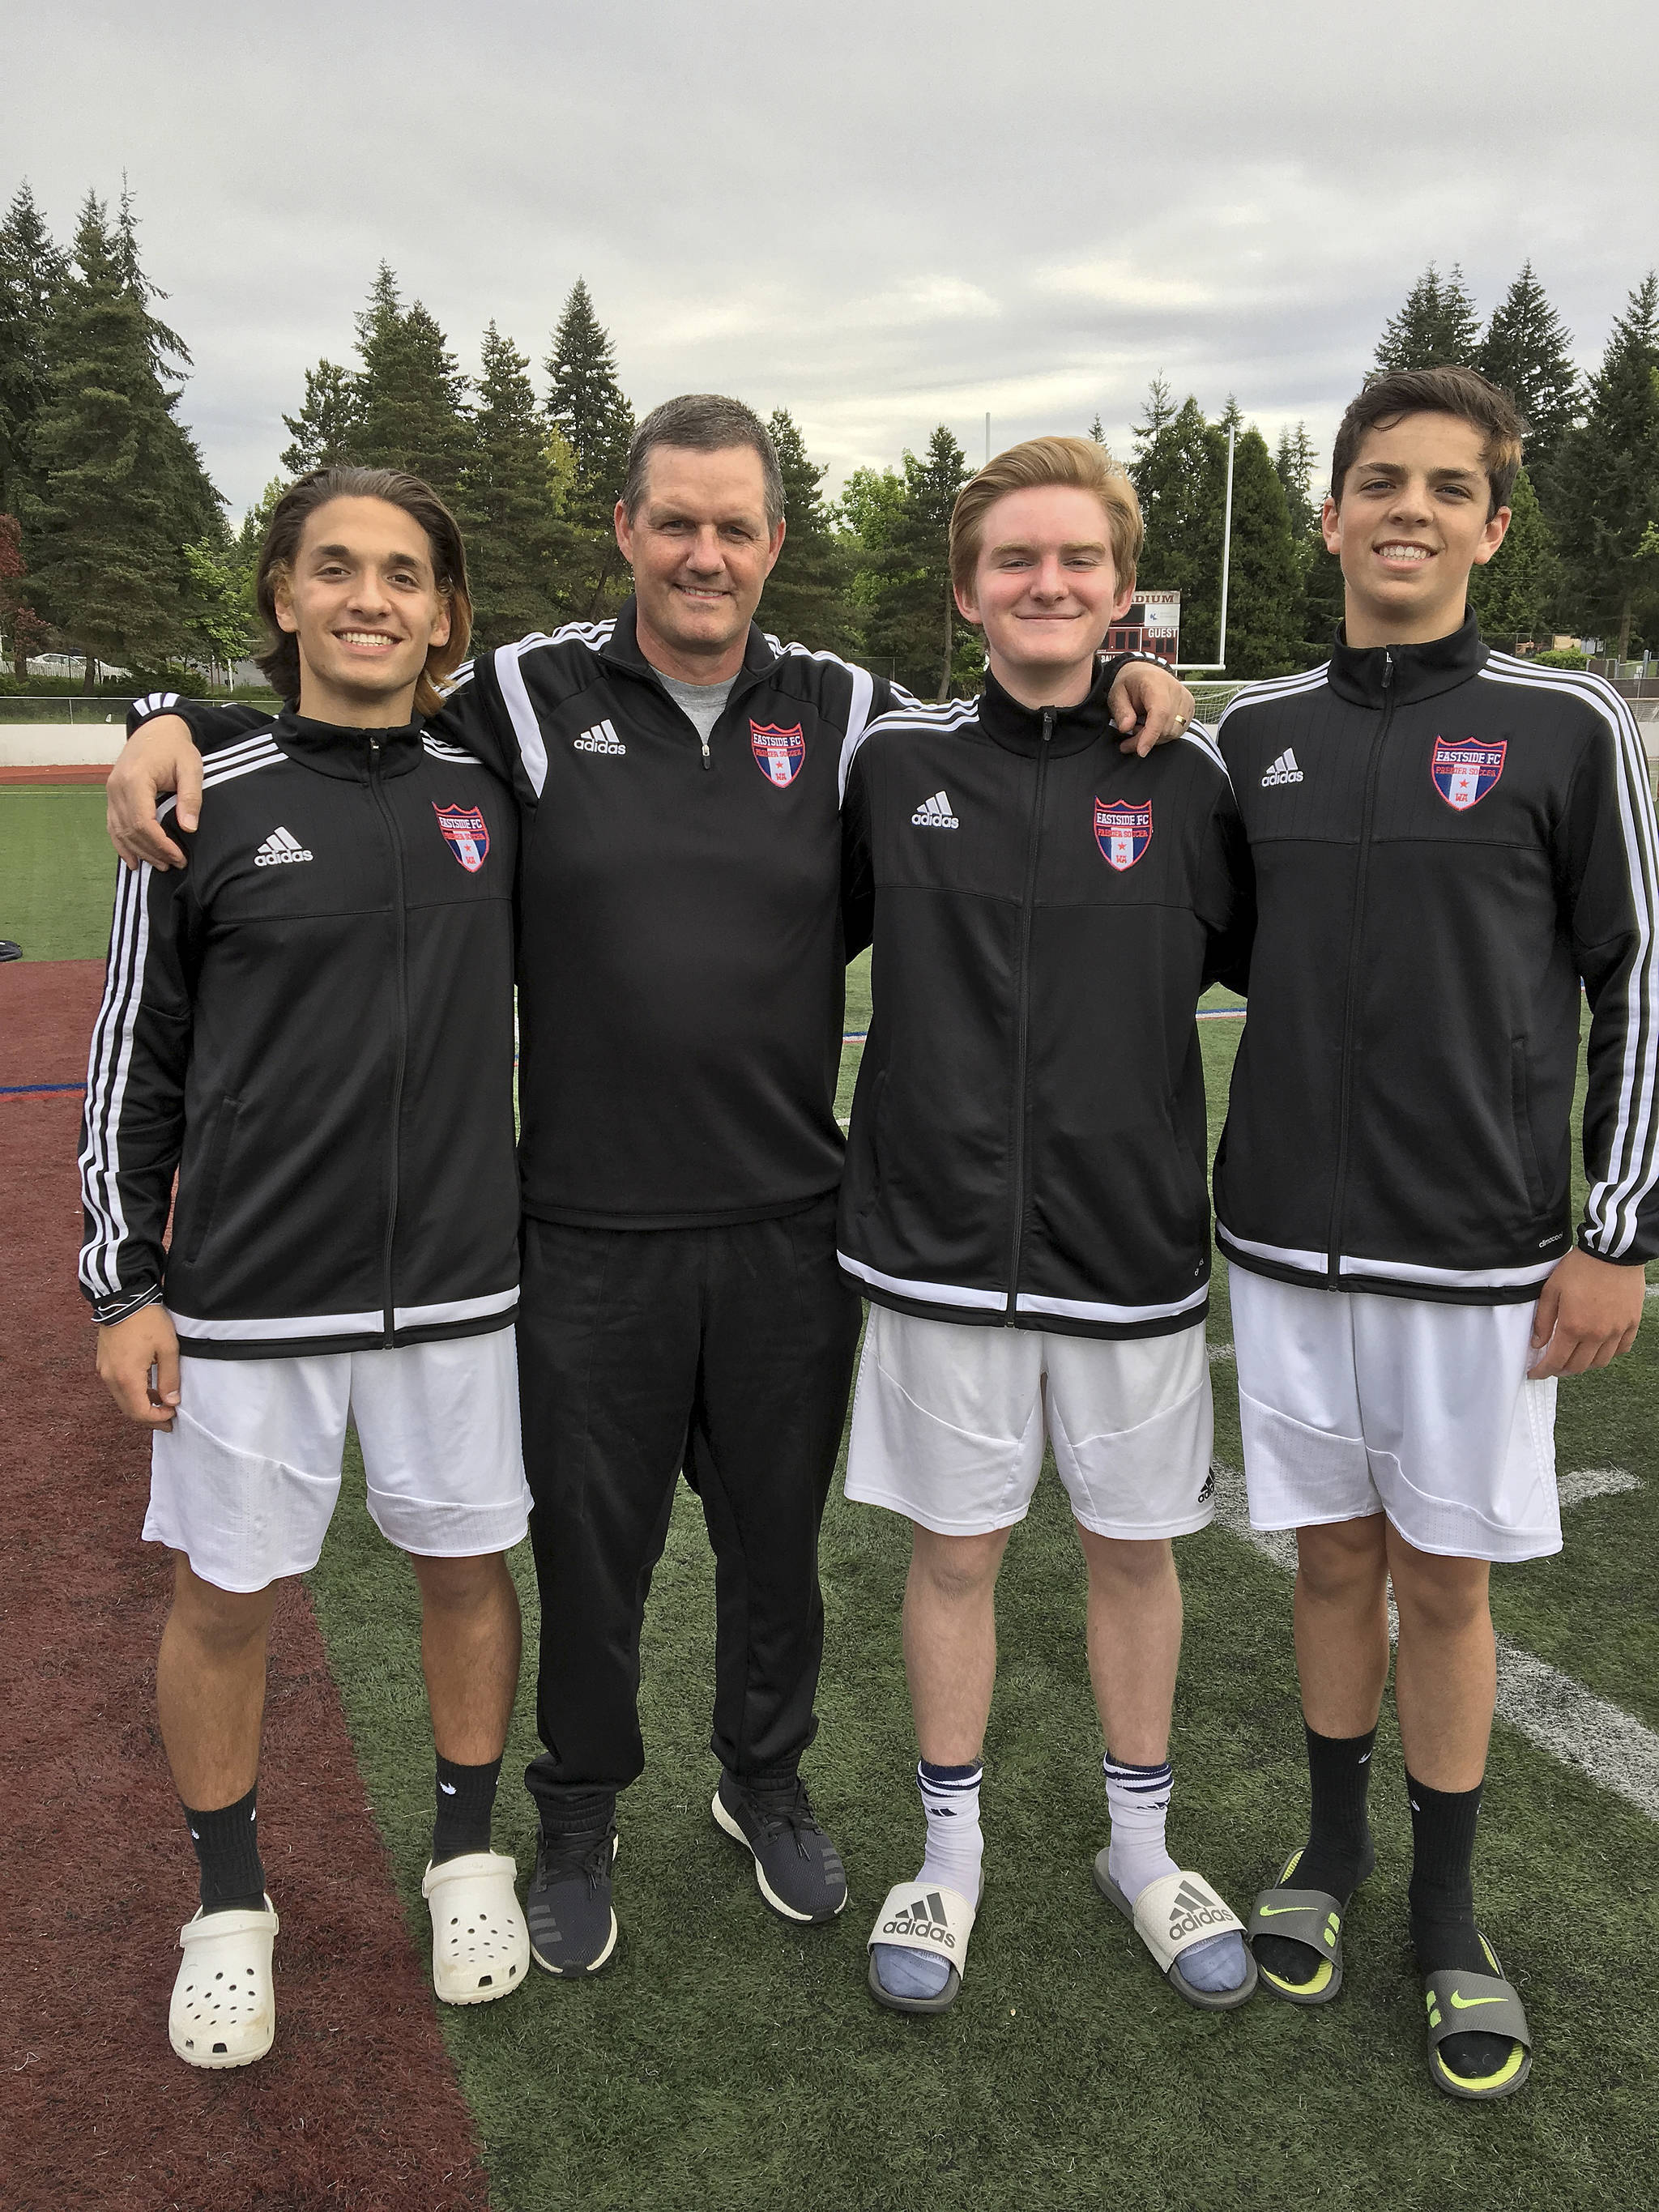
[1219, 667]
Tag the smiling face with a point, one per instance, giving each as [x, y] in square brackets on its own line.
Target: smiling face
[1414, 520]
[701, 548]
[361, 600]
[1045, 591]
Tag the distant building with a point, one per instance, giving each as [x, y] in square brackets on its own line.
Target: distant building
[1153, 624]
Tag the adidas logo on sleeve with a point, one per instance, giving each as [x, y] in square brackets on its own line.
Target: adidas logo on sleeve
[935, 813]
[601, 738]
[1284, 770]
[280, 850]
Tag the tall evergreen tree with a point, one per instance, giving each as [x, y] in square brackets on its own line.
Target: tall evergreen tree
[1266, 576]
[1179, 471]
[1437, 325]
[1527, 350]
[1513, 595]
[115, 500]
[33, 268]
[807, 594]
[509, 502]
[326, 430]
[914, 619]
[411, 398]
[1321, 577]
[1293, 464]
[1608, 474]
[586, 404]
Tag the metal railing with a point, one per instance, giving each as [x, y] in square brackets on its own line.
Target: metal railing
[83, 709]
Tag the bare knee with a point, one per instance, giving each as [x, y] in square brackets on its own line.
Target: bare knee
[1345, 1563]
[465, 1585]
[1439, 1596]
[957, 1569]
[222, 1622]
[1124, 1565]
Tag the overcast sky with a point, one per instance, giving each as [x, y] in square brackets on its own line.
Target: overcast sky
[882, 216]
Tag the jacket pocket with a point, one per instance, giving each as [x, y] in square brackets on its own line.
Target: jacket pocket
[204, 1200]
[1520, 1103]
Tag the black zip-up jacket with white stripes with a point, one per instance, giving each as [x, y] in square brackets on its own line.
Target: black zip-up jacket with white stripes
[681, 951]
[1445, 840]
[1028, 1135]
[312, 1022]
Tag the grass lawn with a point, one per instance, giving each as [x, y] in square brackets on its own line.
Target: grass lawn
[57, 870]
[726, 2059]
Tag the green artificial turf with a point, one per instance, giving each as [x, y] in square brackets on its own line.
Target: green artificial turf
[727, 2059]
[57, 870]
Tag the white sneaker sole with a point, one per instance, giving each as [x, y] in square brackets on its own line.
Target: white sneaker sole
[723, 1819]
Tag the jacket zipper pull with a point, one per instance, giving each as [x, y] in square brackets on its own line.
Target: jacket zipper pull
[1048, 724]
[1388, 666]
[373, 755]
[702, 736]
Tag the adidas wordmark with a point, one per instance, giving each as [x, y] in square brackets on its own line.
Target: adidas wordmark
[935, 813]
[924, 1917]
[280, 850]
[601, 738]
[1284, 770]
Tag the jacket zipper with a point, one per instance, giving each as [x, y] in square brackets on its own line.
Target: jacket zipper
[1362, 869]
[401, 1033]
[1023, 1018]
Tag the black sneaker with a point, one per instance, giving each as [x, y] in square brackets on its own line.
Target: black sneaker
[9, 950]
[798, 1868]
[573, 1930]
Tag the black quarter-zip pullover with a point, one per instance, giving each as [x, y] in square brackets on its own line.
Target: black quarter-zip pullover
[312, 1022]
[1028, 1135]
[1446, 841]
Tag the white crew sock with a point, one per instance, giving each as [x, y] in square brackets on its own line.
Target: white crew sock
[950, 1797]
[1139, 1797]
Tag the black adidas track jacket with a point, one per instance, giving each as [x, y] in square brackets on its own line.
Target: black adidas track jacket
[312, 1022]
[1445, 840]
[1028, 1139]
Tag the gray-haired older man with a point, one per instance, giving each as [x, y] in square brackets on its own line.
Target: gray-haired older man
[681, 966]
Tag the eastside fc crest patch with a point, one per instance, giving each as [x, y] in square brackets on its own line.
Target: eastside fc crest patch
[1464, 772]
[465, 833]
[779, 754]
[1122, 830]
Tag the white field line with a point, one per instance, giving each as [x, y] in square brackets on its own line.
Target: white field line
[1551, 1711]
[1594, 1482]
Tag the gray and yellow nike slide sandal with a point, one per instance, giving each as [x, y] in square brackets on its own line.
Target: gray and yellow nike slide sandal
[1462, 2003]
[1310, 1917]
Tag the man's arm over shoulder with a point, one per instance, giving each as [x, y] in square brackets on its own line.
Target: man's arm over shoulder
[1608, 873]
[167, 737]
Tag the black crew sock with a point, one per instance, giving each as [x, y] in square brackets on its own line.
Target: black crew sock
[466, 1798]
[1337, 1854]
[1443, 1932]
[227, 1847]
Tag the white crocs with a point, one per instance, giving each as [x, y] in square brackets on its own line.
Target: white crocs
[224, 2003]
[480, 1944]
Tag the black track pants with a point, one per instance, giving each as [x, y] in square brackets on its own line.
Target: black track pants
[727, 1352]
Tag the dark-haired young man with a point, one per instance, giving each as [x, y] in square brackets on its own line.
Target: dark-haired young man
[1446, 841]
[681, 983]
[312, 1023]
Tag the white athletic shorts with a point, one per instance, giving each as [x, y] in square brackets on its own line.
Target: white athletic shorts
[244, 1484]
[949, 1422]
[1352, 1404]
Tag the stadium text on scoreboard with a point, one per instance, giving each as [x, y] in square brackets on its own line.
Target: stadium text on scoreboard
[1151, 624]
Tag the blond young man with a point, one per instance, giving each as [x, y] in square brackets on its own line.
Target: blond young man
[1447, 841]
[1025, 1203]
